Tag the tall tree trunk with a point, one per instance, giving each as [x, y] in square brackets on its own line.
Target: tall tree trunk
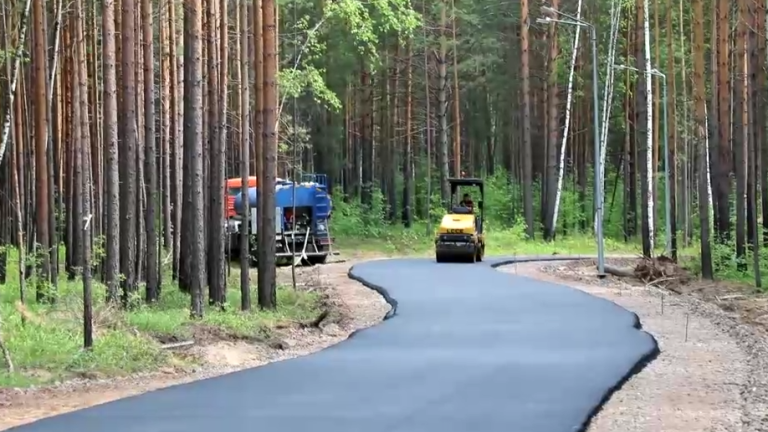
[699, 93]
[685, 164]
[428, 127]
[722, 158]
[18, 55]
[150, 224]
[442, 108]
[761, 148]
[567, 123]
[656, 100]
[741, 133]
[165, 139]
[245, 245]
[216, 181]
[193, 155]
[407, 216]
[221, 165]
[42, 208]
[258, 95]
[267, 275]
[672, 132]
[175, 153]
[644, 111]
[456, 105]
[527, 156]
[756, 132]
[550, 185]
[128, 151]
[85, 223]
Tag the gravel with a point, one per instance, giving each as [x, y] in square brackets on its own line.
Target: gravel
[711, 375]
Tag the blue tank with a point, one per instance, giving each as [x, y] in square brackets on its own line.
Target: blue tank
[308, 194]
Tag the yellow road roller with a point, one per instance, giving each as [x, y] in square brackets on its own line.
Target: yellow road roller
[460, 235]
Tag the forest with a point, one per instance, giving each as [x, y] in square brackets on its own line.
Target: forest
[122, 120]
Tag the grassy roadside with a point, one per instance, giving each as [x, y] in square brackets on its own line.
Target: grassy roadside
[45, 345]
[45, 341]
[398, 241]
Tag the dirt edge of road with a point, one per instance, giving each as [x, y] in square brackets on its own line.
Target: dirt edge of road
[712, 372]
[352, 306]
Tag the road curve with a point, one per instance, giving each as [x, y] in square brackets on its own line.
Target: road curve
[468, 349]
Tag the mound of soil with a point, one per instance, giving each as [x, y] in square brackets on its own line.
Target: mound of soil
[662, 270]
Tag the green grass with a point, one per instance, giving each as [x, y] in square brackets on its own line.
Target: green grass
[47, 346]
[510, 241]
[725, 264]
[418, 241]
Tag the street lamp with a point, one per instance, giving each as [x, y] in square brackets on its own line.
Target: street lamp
[549, 12]
[667, 187]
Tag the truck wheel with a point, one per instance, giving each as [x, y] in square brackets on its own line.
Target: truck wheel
[315, 260]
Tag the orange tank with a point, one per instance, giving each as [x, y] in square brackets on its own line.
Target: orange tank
[234, 187]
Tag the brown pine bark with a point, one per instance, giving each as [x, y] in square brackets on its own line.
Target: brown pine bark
[527, 156]
[761, 149]
[672, 116]
[699, 93]
[193, 276]
[109, 113]
[258, 95]
[442, 107]
[85, 223]
[407, 215]
[643, 127]
[42, 208]
[128, 152]
[456, 105]
[216, 181]
[740, 132]
[267, 271]
[150, 171]
[553, 120]
[245, 253]
[175, 152]
[722, 162]
[165, 133]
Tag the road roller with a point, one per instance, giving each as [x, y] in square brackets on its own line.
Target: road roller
[459, 238]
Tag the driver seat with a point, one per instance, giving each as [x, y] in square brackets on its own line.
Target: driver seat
[461, 210]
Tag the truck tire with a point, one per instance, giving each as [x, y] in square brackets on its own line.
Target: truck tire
[315, 260]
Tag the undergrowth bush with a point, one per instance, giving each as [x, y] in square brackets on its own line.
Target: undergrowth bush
[367, 226]
[45, 340]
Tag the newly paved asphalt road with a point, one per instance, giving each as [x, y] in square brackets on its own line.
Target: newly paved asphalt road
[469, 349]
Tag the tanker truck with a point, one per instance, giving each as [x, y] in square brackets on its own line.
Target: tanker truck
[301, 234]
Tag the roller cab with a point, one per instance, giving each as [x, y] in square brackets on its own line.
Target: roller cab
[459, 238]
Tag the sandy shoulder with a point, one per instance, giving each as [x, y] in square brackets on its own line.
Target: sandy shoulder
[694, 385]
[352, 307]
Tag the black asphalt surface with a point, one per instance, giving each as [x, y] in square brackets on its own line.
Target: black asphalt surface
[467, 349]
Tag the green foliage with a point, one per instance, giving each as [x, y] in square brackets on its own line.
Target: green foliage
[47, 345]
[361, 227]
[345, 28]
[293, 82]
[367, 228]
